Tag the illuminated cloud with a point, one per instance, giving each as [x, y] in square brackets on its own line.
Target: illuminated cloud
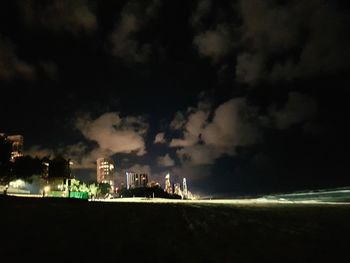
[205, 140]
[165, 161]
[115, 134]
[139, 168]
[39, 152]
[159, 138]
[112, 133]
[81, 156]
[192, 129]
[213, 43]
[234, 123]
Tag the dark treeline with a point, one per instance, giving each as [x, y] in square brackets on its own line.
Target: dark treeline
[148, 192]
[25, 167]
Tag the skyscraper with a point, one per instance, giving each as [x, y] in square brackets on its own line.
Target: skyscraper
[105, 171]
[184, 189]
[135, 180]
[168, 187]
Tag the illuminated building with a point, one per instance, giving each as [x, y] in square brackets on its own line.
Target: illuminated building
[135, 180]
[16, 142]
[168, 187]
[177, 189]
[17, 146]
[184, 189]
[153, 184]
[105, 171]
[46, 168]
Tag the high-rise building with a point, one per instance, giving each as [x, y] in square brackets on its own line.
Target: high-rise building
[135, 180]
[105, 171]
[184, 189]
[168, 187]
[17, 145]
[177, 189]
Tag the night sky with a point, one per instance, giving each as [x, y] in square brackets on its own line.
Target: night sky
[240, 97]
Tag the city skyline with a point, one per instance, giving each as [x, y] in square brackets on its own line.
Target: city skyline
[240, 97]
[52, 175]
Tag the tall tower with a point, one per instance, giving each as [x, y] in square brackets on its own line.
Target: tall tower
[168, 187]
[184, 188]
[105, 171]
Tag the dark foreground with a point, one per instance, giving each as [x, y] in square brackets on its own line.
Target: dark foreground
[60, 229]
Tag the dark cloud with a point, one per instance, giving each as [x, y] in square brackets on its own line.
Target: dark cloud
[11, 65]
[202, 9]
[38, 151]
[59, 15]
[250, 68]
[299, 108]
[292, 40]
[214, 41]
[49, 69]
[276, 40]
[133, 19]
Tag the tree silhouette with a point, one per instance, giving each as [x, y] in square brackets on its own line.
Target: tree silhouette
[147, 192]
[59, 167]
[5, 155]
[26, 166]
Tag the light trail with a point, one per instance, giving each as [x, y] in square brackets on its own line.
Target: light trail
[257, 201]
[25, 195]
[216, 201]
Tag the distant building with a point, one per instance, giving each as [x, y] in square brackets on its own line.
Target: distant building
[168, 187]
[17, 145]
[153, 184]
[105, 171]
[177, 189]
[45, 166]
[135, 180]
[184, 189]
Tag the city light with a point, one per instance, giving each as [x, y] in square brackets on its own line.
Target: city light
[17, 183]
[47, 189]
